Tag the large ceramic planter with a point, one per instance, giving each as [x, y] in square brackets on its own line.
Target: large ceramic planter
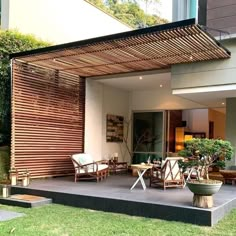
[203, 192]
[206, 189]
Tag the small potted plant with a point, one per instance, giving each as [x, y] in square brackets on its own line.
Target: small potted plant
[205, 153]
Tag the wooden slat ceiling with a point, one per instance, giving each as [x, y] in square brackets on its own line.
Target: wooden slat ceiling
[151, 48]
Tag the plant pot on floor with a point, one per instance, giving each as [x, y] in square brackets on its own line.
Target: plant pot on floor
[203, 191]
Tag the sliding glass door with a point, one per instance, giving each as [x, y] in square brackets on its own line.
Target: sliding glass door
[148, 136]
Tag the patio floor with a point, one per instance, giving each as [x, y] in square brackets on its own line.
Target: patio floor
[114, 195]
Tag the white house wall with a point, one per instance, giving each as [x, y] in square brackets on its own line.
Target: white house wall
[211, 74]
[58, 21]
[219, 123]
[160, 99]
[207, 73]
[116, 102]
[93, 119]
[197, 120]
[100, 101]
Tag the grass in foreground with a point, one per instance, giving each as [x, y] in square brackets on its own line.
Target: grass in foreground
[63, 220]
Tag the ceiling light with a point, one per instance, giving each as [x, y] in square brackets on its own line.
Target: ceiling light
[161, 85]
[140, 77]
[191, 57]
[223, 103]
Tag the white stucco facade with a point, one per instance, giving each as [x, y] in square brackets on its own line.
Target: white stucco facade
[58, 21]
[100, 101]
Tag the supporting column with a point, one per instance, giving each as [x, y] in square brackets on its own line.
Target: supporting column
[231, 124]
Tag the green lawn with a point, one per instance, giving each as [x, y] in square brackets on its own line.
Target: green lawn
[62, 220]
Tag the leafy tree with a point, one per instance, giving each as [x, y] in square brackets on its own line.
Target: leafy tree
[129, 12]
[147, 4]
[11, 42]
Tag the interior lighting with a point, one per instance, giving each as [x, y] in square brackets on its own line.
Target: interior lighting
[161, 85]
[140, 77]
[223, 103]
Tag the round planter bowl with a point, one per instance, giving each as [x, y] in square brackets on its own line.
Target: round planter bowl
[205, 189]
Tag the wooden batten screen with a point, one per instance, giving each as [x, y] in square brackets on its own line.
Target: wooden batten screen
[47, 120]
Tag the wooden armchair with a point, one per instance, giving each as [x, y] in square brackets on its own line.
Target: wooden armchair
[86, 168]
[168, 174]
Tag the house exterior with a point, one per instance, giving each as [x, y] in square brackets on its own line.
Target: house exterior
[218, 16]
[208, 81]
[158, 73]
[58, 22]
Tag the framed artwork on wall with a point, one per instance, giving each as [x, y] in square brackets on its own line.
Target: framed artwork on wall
[115, 128]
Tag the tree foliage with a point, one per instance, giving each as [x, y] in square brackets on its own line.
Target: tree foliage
[129, 12]
[11, 42]
[207, 152]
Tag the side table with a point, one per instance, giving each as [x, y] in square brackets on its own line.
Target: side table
[116, 166]
[141, 170]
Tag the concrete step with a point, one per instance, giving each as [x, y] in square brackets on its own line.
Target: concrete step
[25, 200]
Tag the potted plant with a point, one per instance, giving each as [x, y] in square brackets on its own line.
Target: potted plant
[205, 153]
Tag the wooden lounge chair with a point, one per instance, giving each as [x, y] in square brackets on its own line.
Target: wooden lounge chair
[168, 174]
[86, 168]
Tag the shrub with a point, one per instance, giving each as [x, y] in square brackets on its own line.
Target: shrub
[10, 42]
[208, 152]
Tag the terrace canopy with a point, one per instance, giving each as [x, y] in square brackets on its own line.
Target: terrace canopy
[48, 89]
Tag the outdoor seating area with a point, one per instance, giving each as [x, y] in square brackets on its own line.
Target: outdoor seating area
[114, 195]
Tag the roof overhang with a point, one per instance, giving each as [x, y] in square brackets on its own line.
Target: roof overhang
[152, 48]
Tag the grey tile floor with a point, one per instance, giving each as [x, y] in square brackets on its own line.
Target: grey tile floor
[118, 187]
[114, 195]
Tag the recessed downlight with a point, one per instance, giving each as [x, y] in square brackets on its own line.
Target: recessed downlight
[140, 77]
[161, 85]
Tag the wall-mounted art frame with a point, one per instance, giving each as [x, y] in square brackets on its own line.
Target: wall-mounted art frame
[115, 128]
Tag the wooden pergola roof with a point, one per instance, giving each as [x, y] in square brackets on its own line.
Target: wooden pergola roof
[151, 48]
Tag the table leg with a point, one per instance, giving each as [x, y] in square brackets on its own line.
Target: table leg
[140, 178]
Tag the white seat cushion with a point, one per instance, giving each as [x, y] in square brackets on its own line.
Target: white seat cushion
[91, 168]
[172, 167]
[82, 158]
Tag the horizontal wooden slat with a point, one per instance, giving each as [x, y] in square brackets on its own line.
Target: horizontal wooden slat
[47, 120]
[145, 51]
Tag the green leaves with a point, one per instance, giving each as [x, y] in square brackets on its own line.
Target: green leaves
[210, 149]
[11, 42]
[129, 12]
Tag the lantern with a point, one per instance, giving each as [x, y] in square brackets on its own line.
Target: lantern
[25, 178]
[5, 191]
[13, 176]
[115, 157]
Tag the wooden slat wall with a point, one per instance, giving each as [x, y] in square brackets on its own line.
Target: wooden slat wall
[47, 120]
